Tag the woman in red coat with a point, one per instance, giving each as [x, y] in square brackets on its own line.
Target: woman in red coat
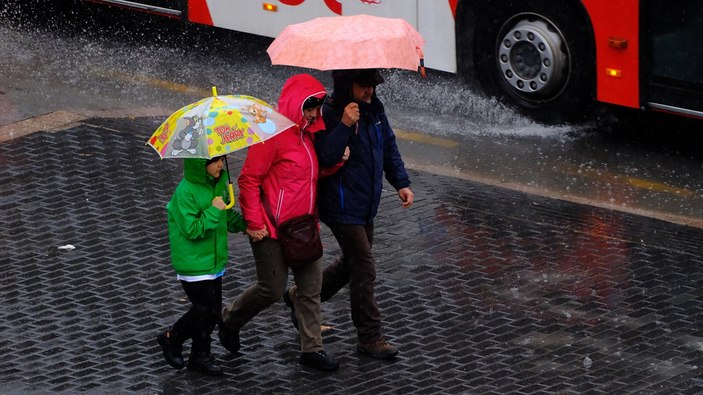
[279, 177]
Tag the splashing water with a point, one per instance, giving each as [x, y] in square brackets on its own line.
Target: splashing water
[150, 61]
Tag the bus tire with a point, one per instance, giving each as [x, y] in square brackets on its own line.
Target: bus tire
[537, 56]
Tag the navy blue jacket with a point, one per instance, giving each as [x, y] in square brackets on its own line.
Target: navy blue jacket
[353, 193]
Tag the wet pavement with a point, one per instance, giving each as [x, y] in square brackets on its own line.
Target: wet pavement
[484, 289]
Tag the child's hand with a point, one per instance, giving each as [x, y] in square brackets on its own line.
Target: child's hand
[345, 156]
[219, 203]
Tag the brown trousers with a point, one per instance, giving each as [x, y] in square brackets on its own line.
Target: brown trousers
[357, 268]
[272, 278]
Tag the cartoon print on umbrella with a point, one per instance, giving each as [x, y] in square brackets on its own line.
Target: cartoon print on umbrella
[230, 129]
[258, 112]
[188, 137]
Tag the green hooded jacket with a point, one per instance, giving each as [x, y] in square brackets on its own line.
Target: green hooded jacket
[197, 230]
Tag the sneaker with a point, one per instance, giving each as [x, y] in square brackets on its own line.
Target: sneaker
[318, 360]
[380, 349]
[289, 302]
[206, 364]
[173, 353]
[229, 339]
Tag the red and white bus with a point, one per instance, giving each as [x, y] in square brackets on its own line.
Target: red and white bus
[552, 59]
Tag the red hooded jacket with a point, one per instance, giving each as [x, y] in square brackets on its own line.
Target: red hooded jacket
[284, 166]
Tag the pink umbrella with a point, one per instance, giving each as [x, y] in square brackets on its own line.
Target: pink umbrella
[349, 42]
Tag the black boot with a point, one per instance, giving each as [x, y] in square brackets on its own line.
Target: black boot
[229, 338]
[291, 305]
[173, 352]
[204, 363]
[318, 360]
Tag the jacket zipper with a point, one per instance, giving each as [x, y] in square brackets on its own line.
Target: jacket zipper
[214, 266]
[312, 177]
[341, 194]
[279, 205]
[377, 126]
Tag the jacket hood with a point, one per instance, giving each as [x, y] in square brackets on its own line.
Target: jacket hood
[194, 170]
[296, 90]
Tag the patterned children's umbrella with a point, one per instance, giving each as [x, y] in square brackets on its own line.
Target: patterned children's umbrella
[216, 126]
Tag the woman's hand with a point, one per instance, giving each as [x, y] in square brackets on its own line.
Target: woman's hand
[257, 235]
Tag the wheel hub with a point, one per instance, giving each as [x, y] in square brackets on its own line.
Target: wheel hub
[531, 59]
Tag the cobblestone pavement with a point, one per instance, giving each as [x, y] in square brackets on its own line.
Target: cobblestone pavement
[485, 290]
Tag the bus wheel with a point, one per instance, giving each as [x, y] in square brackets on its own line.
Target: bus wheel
[537, 58]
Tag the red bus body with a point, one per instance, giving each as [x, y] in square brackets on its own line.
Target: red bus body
[616, 21]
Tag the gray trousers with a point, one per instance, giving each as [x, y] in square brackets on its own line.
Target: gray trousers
[271, 281]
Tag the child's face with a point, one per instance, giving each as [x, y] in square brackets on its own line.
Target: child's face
[215, 168]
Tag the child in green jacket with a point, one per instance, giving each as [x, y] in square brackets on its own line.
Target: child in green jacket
[197, 229]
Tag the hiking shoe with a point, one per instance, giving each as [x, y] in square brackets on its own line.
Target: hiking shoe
[318, 360]
[291, 306]
[206, 364]
[229, 339]
[173, 353]
[380, 349]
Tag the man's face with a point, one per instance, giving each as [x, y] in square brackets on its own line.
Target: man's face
[362, 93]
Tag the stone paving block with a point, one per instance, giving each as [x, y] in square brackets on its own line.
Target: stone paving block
[485, 290]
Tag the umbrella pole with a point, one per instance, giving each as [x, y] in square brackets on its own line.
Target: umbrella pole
[230, 187]
[229, 180]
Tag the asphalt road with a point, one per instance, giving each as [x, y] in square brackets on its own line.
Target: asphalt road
[485, 290]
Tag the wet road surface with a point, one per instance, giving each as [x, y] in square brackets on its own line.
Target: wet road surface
[486, 290]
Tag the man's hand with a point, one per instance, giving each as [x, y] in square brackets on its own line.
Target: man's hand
[351, 114]
[406, 197]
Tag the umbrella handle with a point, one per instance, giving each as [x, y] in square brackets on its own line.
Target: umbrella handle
[229, 205]
[423, 73]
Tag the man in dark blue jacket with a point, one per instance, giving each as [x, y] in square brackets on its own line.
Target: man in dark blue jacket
[348, 200]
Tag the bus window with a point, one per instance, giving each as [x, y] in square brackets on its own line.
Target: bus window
[674, 68]
[676, 31]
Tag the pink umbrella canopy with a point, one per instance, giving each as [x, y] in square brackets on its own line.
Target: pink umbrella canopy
[349, 42]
